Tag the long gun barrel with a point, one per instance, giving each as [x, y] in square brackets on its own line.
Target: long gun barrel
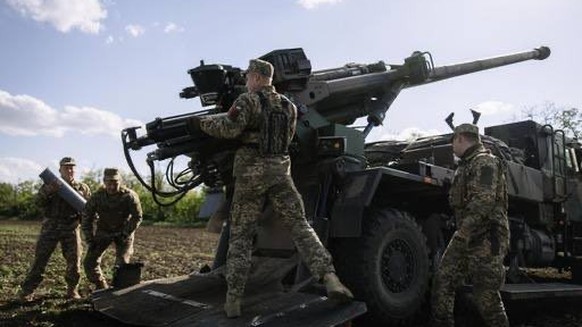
[342, 100]
[444, 72]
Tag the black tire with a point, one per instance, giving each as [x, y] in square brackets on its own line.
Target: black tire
[387, 267]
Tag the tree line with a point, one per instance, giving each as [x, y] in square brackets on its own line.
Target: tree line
[18, 201]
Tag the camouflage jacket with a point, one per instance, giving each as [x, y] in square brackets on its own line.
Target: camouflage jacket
[242, 122]
[117, 213]
[478, 194]
[56, 210]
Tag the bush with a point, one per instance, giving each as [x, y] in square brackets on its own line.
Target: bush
[19, 200]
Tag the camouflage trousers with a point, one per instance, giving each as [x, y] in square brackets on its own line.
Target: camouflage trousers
[487, 273]
[250, 195]
[97, 247]
[50, 235]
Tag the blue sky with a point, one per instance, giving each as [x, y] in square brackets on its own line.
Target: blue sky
[74, 72]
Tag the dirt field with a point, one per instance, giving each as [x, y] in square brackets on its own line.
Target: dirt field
[166, 252]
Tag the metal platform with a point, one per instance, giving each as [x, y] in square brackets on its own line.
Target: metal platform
[197, 300]
[518, 292]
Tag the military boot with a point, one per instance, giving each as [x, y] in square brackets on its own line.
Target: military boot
[232, 306]
[73, 293]
[336, 291]
[101, 285]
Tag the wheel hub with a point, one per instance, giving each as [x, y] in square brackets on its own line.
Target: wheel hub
[397, 266]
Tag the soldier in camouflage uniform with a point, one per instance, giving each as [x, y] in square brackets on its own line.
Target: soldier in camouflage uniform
[60, 225]
[478, 197]
[264, 121]
[111, 216]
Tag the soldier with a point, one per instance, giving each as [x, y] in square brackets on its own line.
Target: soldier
[60, 225]
[264, 121]
[111, 216]
[478, 197]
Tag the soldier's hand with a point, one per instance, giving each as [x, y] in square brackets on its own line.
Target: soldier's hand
[53, 187]
[193, 126]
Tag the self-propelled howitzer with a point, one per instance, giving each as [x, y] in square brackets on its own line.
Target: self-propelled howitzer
[384, 224]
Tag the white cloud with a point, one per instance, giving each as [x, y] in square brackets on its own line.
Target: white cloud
[27, 116]
[15, 170]
[171, 27]
[64, 15]
[109, 40]
[312, 4]
[490, 108]
[135, 30]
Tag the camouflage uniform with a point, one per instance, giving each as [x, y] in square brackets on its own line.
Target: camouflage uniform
[60, 225]
[260, 178]
[110, 218]
[478, 197]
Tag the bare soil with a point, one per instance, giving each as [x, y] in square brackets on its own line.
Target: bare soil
[169, 252]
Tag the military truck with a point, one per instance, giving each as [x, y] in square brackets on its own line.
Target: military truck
[380, 208]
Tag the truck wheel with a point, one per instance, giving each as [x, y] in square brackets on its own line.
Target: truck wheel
[387, 267]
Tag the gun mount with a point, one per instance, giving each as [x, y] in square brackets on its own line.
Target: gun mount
[328, 100]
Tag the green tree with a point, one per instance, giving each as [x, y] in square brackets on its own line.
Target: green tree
[8, 200]
[569, 119]
[26, 195]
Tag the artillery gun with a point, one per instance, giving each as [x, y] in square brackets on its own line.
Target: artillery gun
[381, 209]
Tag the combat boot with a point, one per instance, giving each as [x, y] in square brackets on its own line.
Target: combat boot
[73, 293]
[336, 291]
[101, 285]
[232, 306]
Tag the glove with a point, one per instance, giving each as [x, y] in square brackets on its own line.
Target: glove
[193, 126]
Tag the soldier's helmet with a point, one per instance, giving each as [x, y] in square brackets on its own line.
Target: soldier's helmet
[67, 161]
[468, 129]
[111, 174]
[261, 67]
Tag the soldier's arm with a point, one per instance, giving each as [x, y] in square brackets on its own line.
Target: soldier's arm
[46, 193]
[136, 214]
[232, 124]
[88, 219]
[481, 192]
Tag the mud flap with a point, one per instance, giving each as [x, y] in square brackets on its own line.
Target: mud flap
[198, 300]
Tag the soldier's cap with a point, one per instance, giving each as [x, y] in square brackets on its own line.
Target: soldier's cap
[260, 67]
[466, 128]
[67, 161]
[111, 174]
